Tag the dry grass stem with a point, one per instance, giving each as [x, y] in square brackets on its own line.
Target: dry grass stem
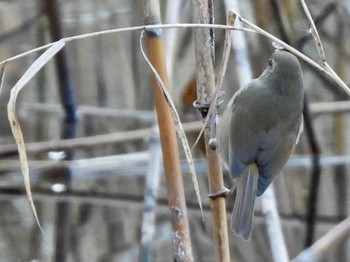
[169, 123]
[121, 30]
[89, 141]
[254, 29]
[207, 91]
[322, 247]
[153, 175]
[231, 17]
[2, 77]
[273, 225]
[314, 31]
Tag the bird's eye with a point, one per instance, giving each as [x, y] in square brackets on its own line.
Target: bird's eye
[270, 62]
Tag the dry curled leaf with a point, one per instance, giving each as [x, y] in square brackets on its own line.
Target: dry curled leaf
[15, 125]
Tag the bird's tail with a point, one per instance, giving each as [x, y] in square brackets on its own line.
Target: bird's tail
[243, 209]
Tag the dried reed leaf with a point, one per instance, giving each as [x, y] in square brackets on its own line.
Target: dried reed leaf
[15, 126]
[179, 128]
[2, 77]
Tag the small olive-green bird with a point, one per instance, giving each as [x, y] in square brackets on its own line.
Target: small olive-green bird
[258, 131]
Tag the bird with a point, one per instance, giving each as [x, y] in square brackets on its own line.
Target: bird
[257, 132]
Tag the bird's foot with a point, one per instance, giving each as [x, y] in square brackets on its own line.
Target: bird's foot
[219, 99]
[221, 193]
[204, 107]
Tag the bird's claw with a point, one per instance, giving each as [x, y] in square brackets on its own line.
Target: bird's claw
[204, 107]
[221, 193]
[219, 100]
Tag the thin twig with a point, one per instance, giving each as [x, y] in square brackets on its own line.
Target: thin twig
[231, 17]
[88, 142]
[316, 109]
[320, 50]
[315, 152]
[285, 45]
[325, 69]
[151, 193]
[144, 116]
[327, 243]
[130, 164]
[240, 46]
[273, 225]
[125, 29]
[173, 9]
[64, 76]
[255, 29]
[314, 31]
[319, 20]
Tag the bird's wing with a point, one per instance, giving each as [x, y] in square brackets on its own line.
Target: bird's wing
[242, 141]
[275, 151]
[247, 112]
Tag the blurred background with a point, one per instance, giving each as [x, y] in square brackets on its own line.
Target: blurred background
[89, 191]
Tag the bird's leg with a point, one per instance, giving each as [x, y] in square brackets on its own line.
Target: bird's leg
[212, 124]
[203, 108]
[219, 100]
[213, 120]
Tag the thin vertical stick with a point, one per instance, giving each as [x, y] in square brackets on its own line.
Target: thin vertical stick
[150, 201]
[314, 31]
[66, 89]
[315, 150]
[171, 156]
[240, 47]
[67, 97]
[217, 205]
[206, 88]
[273, 225]
[172, 12]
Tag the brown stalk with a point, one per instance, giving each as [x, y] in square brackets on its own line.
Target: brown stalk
[217, 205]
[204, 45]
[171, 156]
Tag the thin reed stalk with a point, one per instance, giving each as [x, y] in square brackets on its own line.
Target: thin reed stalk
[206, 88]
[171, 155]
